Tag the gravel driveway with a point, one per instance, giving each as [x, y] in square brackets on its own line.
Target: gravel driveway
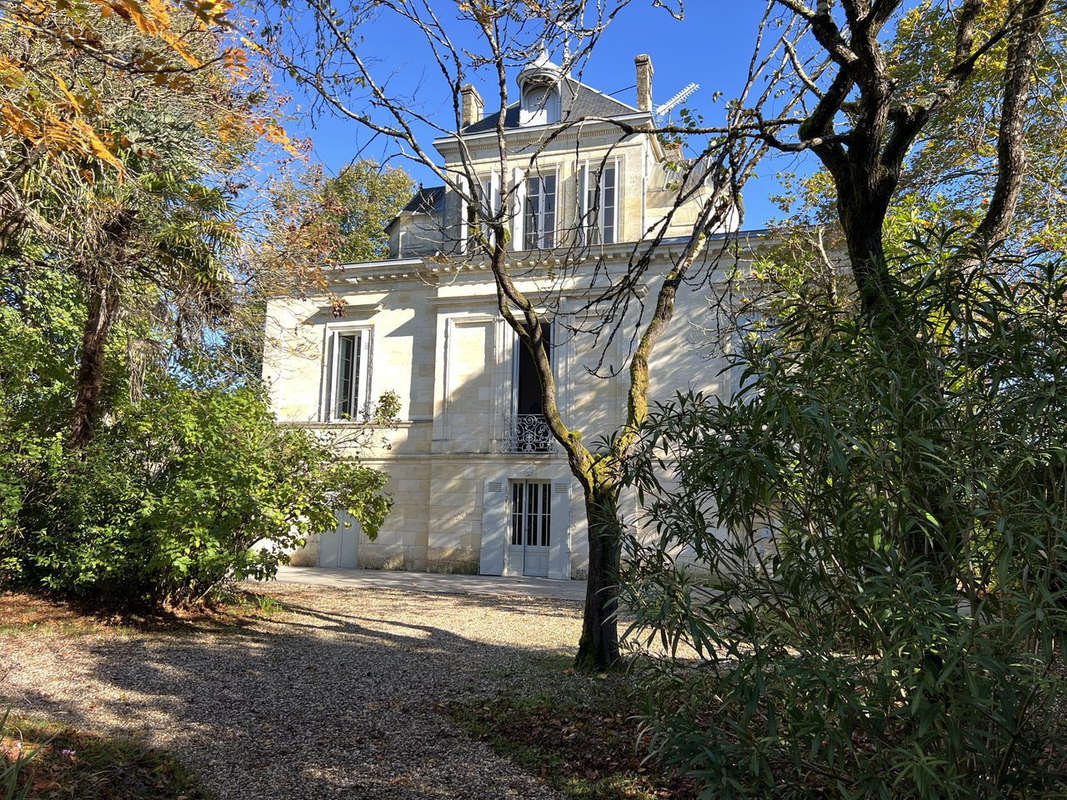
[336, 696]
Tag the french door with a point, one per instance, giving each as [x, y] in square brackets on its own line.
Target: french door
[531, 526]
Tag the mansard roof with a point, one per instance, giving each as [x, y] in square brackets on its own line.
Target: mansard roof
[577, 101]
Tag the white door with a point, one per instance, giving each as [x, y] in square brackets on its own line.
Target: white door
[531, 527]
[338, 548]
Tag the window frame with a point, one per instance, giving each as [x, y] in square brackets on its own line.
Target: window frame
[542, 111]
[490, 202]
[544, 236]
[517, 350]
[593, 231]
[522, 513]
[330, 405]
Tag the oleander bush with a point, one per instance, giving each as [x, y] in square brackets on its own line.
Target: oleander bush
[876, 537]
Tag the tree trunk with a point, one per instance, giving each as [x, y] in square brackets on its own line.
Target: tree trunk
[103, 305]
[862, 217]
[598, 648]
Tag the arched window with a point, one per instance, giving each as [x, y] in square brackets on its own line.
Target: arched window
[540, 105]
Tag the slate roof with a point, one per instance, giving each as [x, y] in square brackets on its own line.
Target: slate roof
[426, 200]
[576, 101]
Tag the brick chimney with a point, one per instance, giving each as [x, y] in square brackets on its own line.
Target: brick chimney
[472, 107]
[644, 82]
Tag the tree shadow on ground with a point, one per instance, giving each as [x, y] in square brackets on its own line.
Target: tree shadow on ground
[320, 700]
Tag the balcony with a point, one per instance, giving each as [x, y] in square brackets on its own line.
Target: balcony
[529, 433]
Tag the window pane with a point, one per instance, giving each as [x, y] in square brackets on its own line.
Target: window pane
[533, 212]
[608, 214]
[545, 508]
[539, 221]
[516, 513]
[531, 504]
[347, 374]
[548, 214]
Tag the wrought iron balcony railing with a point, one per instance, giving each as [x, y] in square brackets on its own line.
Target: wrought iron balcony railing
[529, 433]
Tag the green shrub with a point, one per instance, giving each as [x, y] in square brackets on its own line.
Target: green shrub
[173, 498]
[880, 521]
[191, 483]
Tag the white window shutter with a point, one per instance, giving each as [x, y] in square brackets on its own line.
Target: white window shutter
[494, 528]
[326, 395]
[557, 213]
[463, 187]
[493, 199]
[559, 551]
[519, 208]
[618, 200]
[494, 192]
[583, 200]
[363, 399]
[334, 358]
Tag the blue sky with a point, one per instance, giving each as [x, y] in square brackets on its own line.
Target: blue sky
[711, 46]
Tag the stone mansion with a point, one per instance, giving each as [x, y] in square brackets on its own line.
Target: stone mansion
[477, 482]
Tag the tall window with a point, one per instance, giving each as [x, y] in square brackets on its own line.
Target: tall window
[529, 391]
[598, 193]
[489, 201]
[530, 432]
[540, 217]
[347, 375]
[531, 522]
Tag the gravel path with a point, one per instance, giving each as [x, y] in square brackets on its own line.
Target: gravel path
[337, 696]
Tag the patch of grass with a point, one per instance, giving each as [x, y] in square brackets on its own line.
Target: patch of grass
[68, 763]
[578, 732]
[43, 615]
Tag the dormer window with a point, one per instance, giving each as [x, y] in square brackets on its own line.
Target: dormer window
[539, 102]
[540, 105]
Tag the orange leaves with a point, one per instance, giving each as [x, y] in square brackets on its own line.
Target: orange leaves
[235, 60]
[270, 130]
[58, 125]
[56, 93]
[152, 18]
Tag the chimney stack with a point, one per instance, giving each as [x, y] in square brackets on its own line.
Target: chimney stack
[472, 107]
[644, 82]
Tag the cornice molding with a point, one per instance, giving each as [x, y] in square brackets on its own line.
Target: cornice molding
[431, 270]
[536, 133]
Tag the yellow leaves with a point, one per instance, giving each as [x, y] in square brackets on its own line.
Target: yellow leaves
[229, 127]
[255, 47]
[169, 48]
[270, 129]
[11, 73]
[77, 104]
[47, 110]
[47, 128]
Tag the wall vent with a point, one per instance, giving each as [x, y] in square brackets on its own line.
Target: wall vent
[560, 488]
[495, 486]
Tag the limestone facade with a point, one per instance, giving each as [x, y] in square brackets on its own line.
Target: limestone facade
[424, 324]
